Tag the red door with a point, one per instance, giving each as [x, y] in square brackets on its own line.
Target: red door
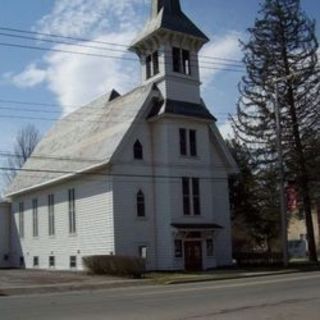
[193, 255]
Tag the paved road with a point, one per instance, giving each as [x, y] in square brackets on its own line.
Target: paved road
[295, 296]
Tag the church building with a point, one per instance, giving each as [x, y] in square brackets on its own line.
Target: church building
[140, 174]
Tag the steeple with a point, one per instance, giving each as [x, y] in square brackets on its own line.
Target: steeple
[166, 15]
[168, 50]
[171, 6]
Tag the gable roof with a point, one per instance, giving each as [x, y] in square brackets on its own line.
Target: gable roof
[85, 139]
[230, 163]
[182, 108]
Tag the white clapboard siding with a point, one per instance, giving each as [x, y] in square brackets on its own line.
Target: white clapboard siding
[94, 222]
[4, 234]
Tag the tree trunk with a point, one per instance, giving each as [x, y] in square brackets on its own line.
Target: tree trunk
[303, 176]
[303, 179]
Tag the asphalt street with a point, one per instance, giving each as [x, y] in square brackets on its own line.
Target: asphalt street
[295, 296]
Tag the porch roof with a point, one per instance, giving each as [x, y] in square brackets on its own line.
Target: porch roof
[196, 226]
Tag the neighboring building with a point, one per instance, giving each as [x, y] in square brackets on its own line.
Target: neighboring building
[297, 232]
[4, 234]
[144, 174]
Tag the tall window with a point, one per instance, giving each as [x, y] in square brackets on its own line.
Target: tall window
[51, 214]
[210, 248]
[148, 66]
[35, 225]
[181, 60]
[138, 150]
[193, 143]
[188, 142]
[21, 219]
[141, 208]
[176, 59]
[191, 196]
[72, 211]
[178, 252]
[183, 142]
[186, 196]
[152, 65]
[196, 196]
[155, 61]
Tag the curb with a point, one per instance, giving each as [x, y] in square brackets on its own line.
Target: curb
[267, 274]
[63, 288]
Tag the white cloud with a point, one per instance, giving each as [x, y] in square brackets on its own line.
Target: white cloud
[227, 47]
[30, 77]
[226, 130]
[79, 17]
[76, 79]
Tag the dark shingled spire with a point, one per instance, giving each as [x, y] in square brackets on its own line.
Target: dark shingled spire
[170, 6]
[167, 14]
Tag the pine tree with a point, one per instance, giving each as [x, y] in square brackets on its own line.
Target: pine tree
[255, 221]
[281, 54]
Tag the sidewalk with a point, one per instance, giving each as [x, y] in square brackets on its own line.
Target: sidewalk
[69, 287]
[216, 275]
[27, 282]
[22, 282]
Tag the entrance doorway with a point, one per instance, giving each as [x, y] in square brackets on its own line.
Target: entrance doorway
[193, 255]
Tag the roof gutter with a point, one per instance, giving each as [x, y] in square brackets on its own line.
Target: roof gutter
[72, 175]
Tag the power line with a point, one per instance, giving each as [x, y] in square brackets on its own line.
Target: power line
[221, 60]
[120, 175]
[34, 103]
[77, 107]
[67, 119]
[48, 157]
[104, 56]
[62, 42]
[96, 41]
[64, 37]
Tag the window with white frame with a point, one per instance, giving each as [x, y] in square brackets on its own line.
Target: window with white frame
[36, 261]
[152, 64]
[52, 261]
[143, 252]
[51, 214]
[181, 61]
[141, 208]
[210, 248]
[21, 220]
[73, 262]
[178, 252]
[72, 211]
[35, 223]
[188, 142]
[138, 150]
[191, 196]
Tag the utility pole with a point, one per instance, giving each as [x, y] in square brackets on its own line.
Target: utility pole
[283, 200]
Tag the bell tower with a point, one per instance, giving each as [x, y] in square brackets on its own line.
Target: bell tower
[168, 50]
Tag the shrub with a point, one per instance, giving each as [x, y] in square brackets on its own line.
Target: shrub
[122, 266]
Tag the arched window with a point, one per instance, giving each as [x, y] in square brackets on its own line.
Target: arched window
[138, 150]
[141, 209]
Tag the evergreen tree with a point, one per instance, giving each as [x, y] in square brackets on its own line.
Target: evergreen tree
[255, 219]
[281, 56]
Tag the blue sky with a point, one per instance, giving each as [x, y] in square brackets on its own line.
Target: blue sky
[68, 81]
